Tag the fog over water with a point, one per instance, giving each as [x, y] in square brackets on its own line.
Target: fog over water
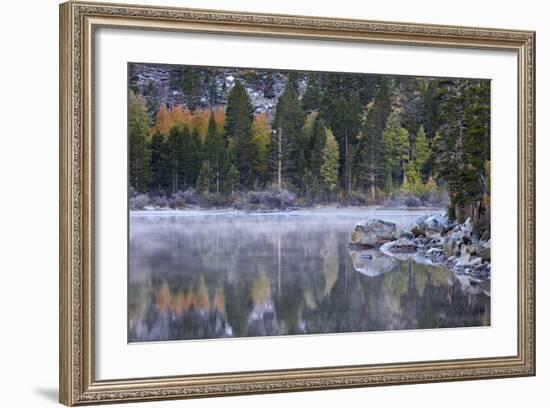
[212, 274]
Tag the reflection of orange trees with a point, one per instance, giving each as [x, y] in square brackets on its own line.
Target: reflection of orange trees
[163, 298]
[181, 303]
[219, 301]
[202, 301]
[197, 299]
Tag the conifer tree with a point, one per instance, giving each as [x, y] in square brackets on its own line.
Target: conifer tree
[212, 90]
[191, 86]
[215, 151]
[140, 155]
[269, 85]
[285, 153]
[244, 148]
[160, 174]
[421, 152]
[318, 140]
[312, 94]
[195, 155]
[174, 158]
[396, 145]
[371, 150]
[261, 140]
[462, 146]
[232, 177]
[205, 177]
[238, 128]
[330, 165]
[412, 181]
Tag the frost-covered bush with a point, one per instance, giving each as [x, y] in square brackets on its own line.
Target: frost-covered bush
[139, 201]
[159, 201]
[191, 197]
[358, 198]
[273, 197]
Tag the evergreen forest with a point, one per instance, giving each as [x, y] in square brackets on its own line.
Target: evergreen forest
[205, 137]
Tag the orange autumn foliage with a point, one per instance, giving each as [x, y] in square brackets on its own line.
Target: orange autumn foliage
[164, 120]
[181, 116]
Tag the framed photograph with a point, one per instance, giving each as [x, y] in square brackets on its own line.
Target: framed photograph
[256, 203]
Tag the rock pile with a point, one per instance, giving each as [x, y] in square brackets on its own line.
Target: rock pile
[432, 238]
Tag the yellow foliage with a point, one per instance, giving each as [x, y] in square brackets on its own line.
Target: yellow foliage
[261, 290]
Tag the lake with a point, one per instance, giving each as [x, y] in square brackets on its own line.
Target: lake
[208, 274]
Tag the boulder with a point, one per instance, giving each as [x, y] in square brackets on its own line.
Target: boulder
[430, 224]
[481, 249]
[373, 233]
[371, 262]
[451, 247]
[402, 248]
[484, 251]
[399, 246]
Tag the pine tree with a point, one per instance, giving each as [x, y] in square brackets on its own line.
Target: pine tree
[318, 140]
[330, 165]
[285, 153]
[215, 151]
[269, 85]
[191, 86]
[186, 170]
[349, 111]
[238, 132]
[232, 177]
[140, 155]
[396, 144]
[409, 104]
[160, 174]
[212, 91]
[412, 182]
[370, 162]
[431, 93]
[195, 156]
[151, 95]
[261, 139]
[312, 94]
[462, 146]
[244, 148]
[292, 81]
[174, 157]
[205, 177]
[421, 152]
[476, 146]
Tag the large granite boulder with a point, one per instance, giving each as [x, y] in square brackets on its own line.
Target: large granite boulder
[402, 248]
[430, 224]
[373, 233]
[371, 262]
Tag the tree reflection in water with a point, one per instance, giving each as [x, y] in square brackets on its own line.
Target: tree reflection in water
[238, 276]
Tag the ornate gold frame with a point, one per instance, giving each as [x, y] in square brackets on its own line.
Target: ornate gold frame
[78, 22]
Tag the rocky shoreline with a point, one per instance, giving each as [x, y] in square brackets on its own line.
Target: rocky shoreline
[431, 239]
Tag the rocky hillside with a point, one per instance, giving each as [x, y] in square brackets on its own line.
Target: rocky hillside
[163, 84]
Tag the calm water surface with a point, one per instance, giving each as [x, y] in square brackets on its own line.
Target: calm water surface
[197, 275]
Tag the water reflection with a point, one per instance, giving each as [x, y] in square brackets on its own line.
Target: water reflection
[213, 276]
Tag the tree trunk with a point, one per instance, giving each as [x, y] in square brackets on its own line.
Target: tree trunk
[280, 159]
[347, 164]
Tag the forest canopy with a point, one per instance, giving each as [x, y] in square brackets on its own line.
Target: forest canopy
[311, 138]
